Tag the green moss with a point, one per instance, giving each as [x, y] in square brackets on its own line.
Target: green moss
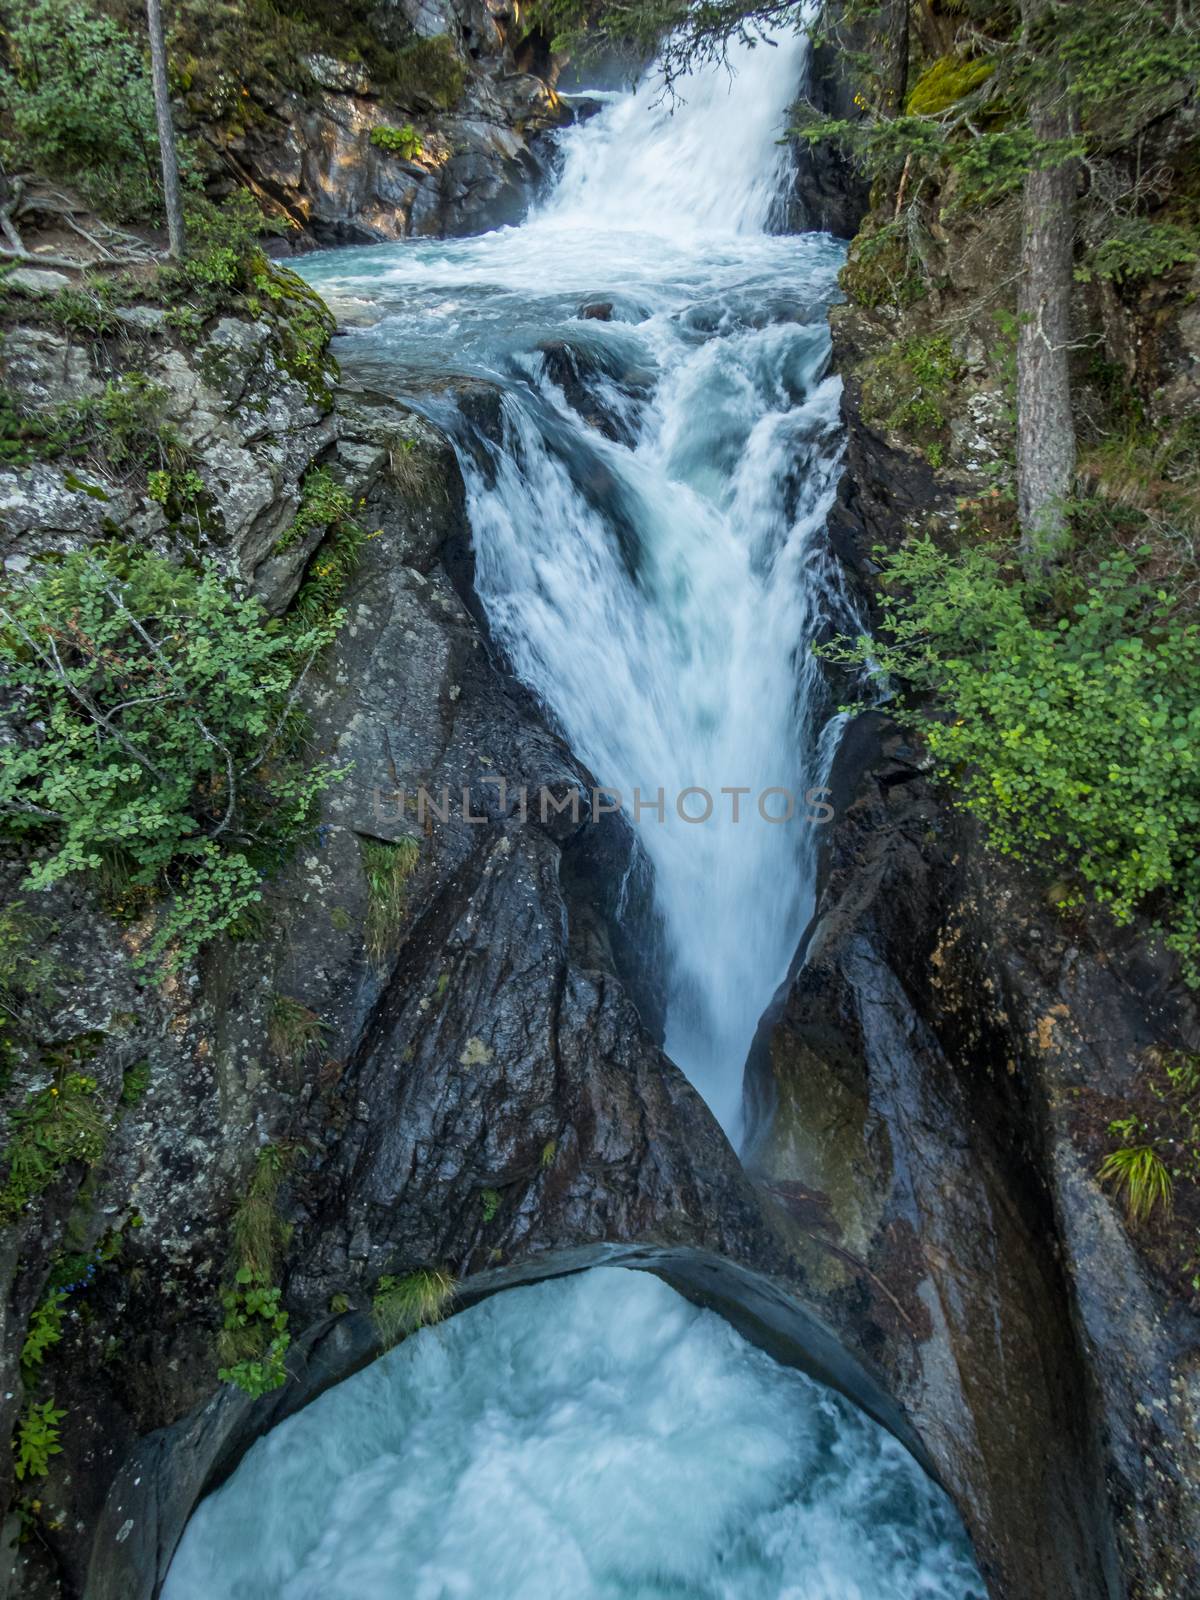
[880, 269]
[945, 82]
[906, 390]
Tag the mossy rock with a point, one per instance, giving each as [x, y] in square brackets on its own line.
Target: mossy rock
[945, 82]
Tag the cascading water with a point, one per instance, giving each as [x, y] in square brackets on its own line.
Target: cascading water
[649, 553]
[649, 534]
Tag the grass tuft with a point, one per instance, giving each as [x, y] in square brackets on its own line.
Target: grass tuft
[388, 868]
[1143, 1176]
[293, 1030]
[400, 1306]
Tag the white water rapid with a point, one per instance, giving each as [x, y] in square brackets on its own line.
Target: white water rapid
[595, 1438]
[648, 533]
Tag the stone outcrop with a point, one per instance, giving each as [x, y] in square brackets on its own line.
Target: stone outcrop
[310, 132]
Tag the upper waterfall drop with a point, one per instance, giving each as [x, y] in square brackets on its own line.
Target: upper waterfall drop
[710, 161]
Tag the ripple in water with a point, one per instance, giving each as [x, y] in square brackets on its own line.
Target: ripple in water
[592, 1438]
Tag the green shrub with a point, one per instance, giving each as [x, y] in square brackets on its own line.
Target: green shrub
[323, 503]
[44, 1331]
[158, 724]
[1068, 720]
[78, 99]
[120, 430]
[400, 1306]
[1137, 248]
[254, 1339]
[405, 141]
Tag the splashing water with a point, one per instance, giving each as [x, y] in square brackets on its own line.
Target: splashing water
[648, 532]
[597, 1438]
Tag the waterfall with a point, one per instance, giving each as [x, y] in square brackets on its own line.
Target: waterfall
[649, 552]
[708, 163]
[648, 536]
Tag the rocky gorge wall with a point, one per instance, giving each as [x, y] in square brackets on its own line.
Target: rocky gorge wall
[934, 1086]
[372, 122]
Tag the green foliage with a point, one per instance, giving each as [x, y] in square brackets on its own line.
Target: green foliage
[323, 503]
[400, 1306]
[77, 98]
[880, 268]
[549, 1151]
[254, 1338]
[906, 389]
[159, 725]
[36, 1439]
[258, 1233]
[491, 1203]
[44, 1331]
[135, 1083]
[29, 971]
[388, 868]
[405, 141]
[1137, 249]
[120, 431]
[1068, 719]
[1140, 1172]
[945, 83]
[49, 1130]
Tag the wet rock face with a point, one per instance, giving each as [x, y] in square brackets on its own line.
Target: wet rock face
[924, 1073]
[309, 147]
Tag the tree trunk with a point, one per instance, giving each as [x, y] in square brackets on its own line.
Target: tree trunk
[1045, 427]
[166, 130]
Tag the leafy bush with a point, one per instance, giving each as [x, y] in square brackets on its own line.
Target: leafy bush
[1137, 248]
[78, 99]
[403, 141]
[36, 1440]
[254, 1339]
[1069, 721]
[158, 724]
[44, 1331]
